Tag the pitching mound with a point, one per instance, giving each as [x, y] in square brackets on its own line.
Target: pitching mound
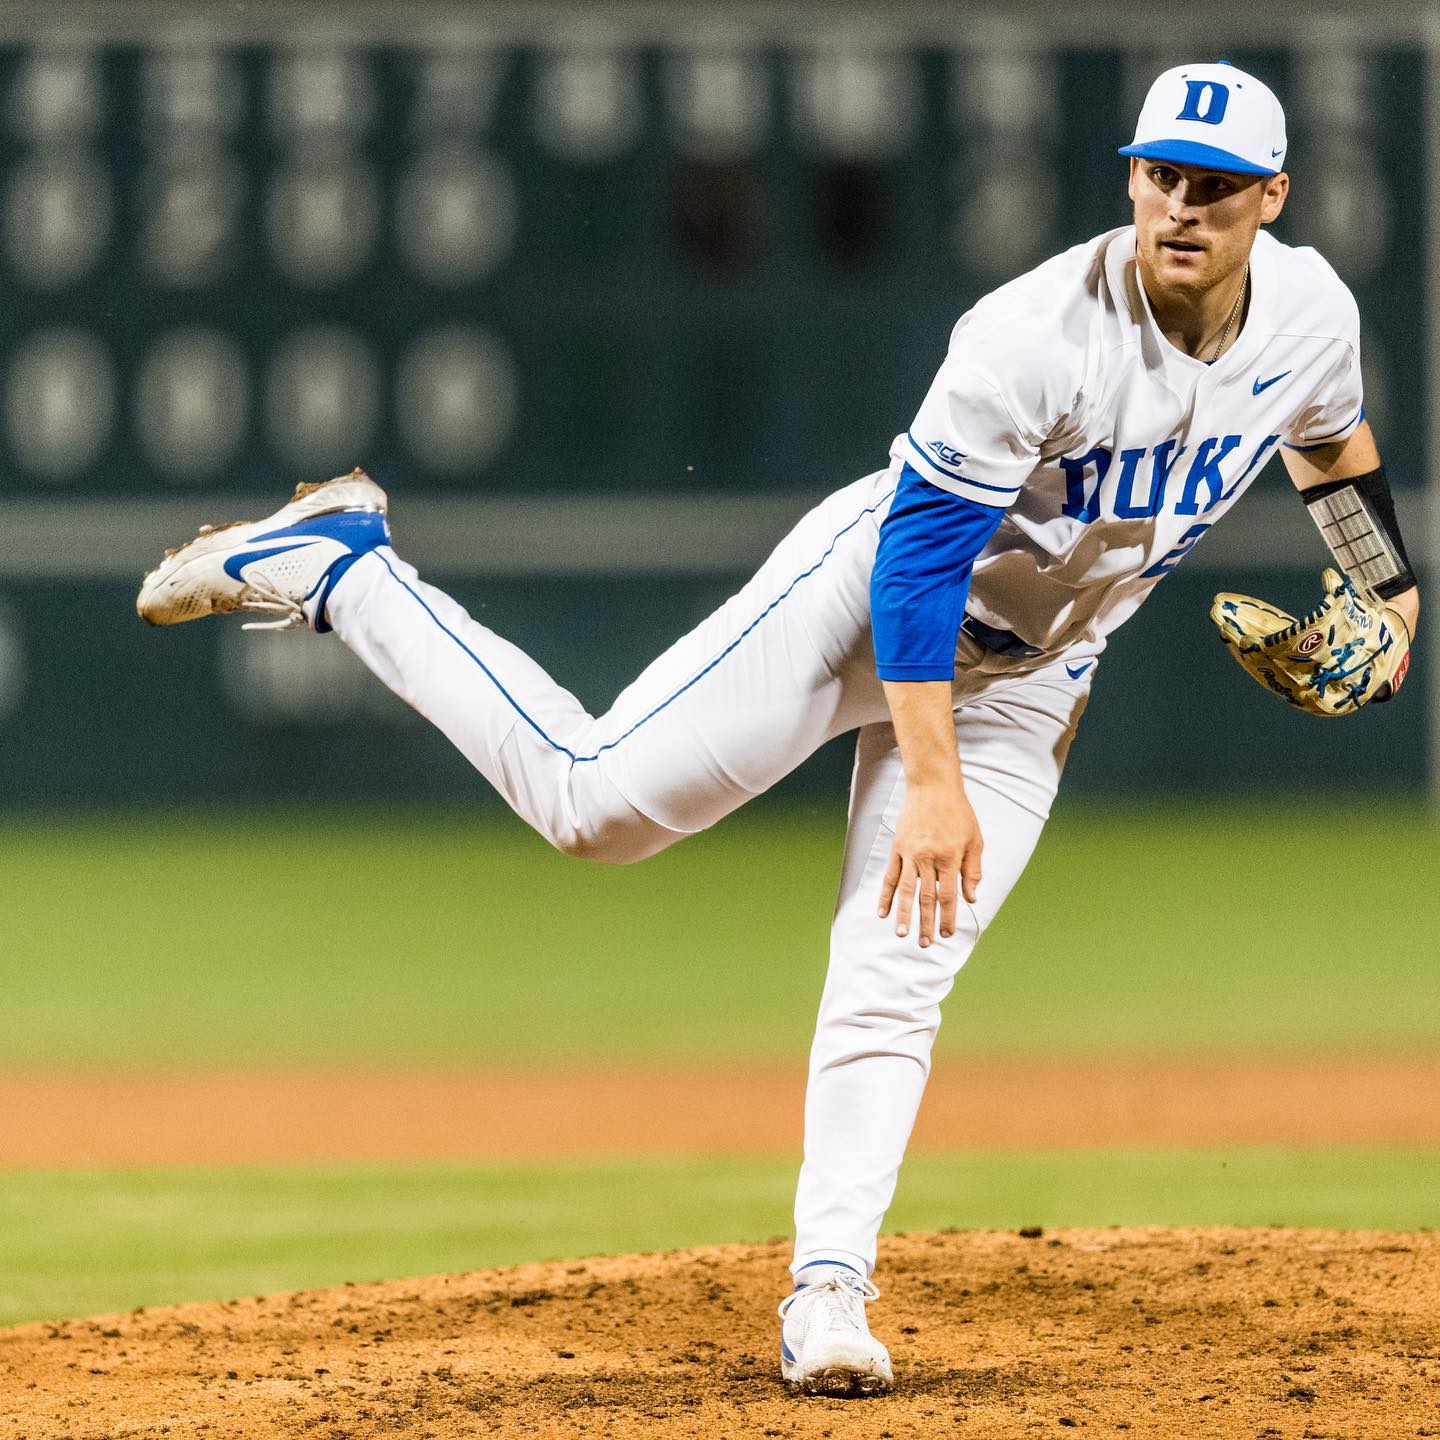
[1159, 1332]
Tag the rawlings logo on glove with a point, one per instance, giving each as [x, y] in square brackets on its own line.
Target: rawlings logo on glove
[1350, 650]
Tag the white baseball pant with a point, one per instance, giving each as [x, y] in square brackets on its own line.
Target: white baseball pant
[783, 666]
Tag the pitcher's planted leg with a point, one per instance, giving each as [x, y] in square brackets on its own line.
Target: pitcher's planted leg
[880, 1010]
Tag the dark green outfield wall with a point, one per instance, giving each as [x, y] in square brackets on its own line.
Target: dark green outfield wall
[114, 712]
[505, 269]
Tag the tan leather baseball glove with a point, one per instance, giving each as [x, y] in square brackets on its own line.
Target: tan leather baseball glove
[1350, 650]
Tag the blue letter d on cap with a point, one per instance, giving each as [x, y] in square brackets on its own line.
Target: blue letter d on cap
[1209, 93]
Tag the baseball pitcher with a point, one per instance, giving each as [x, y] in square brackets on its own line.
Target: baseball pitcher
[1092, 420]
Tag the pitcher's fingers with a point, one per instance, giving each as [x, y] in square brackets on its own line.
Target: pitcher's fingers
[905, 898]
[888, 884]
[970, 872]
[929, 901]
[949, 884]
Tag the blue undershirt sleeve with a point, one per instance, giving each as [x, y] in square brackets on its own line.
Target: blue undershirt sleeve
[928, 543]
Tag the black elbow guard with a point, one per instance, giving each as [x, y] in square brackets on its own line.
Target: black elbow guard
[1357, 520]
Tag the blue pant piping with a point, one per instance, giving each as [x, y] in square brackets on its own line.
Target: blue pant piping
[670, 699]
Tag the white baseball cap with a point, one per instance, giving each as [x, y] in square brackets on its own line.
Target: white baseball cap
[1211, 115]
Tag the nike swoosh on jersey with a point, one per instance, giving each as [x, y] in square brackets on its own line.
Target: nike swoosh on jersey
[1266, 384]
[1076, 671]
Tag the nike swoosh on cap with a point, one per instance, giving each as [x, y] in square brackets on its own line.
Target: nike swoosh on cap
[1076, 671]
[1266, 384]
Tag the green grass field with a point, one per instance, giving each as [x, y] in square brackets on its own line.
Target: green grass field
[140, 941]
[83, 1243]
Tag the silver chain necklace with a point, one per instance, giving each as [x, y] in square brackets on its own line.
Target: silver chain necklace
[1234, 312]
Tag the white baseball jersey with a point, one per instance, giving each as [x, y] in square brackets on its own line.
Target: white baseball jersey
[1112, 451]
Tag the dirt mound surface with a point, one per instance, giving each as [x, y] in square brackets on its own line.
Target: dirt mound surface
[1257, 1333]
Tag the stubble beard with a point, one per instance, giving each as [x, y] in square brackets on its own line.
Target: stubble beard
[1189, 282]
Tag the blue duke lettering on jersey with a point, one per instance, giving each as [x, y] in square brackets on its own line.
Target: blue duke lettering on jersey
[1141, 491]
[1205, 470]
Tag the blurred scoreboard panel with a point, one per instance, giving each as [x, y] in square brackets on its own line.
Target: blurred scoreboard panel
[511, 268]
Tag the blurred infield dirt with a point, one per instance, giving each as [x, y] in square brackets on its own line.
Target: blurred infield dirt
[235, 1116]
[1150, 1332]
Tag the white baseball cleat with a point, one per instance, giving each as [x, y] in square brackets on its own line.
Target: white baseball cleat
[286, 565]
[826, 1347]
